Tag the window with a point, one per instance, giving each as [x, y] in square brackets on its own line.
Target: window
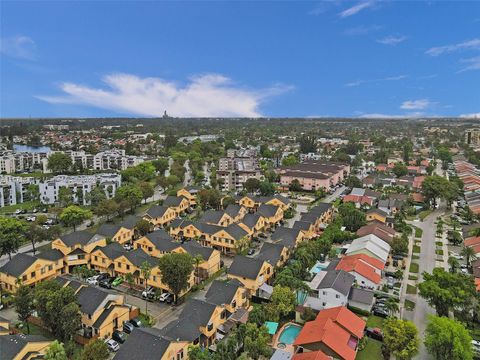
[324, 293]
[95, 258]
[50, 267]
[337, 296]
[119, 265]
[32, 274]
[150, 248]
[24, 278]
[128, 267]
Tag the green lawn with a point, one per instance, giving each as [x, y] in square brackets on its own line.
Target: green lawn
[418, 232]
[372, 351]
[412, 277]
[416, 249]
[409, 305]
[37, 330]
[10, 209]
[411, 289]
[439, 252]
[422, 215]
[414, 268]
[438, 243]
[415, 257]
[375, 321]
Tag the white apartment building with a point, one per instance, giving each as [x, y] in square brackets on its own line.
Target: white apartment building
[235, 170]
[105, 160]
[11, 161]
[13, 189]
[80, 185]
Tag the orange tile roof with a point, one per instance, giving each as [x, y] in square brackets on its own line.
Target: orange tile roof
[335, 328]
[367, 259]
[471, 241]
[477, 284]
[312, 355]
[356, 265]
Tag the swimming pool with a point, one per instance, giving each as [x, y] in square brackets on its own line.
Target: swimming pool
[289, 334]
[319, 266]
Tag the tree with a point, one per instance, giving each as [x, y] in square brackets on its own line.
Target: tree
[295, 185]
[447, 339]
[59, 163]
[161, 165]
[74, 215]
[400, 338]
[95, 350]
[65, 196]
[107, 208]
[198, 353]
[209, 198]
[400, 169]
[146, 270]
[251, 185]
[453, 263]
[33, 192]
[131, 194]
[307, 144]
[96, 196]
[290, 160]
[147, 190]
[353, 181]
[447, 291]
[12, 234]
[469, 254]
[266, 188]
[256, 343]
[36, 234]
[144, 227]
[352, 218]
[436, 186]
[399, 245]
[56, 351]
[282, 303]
[24, 304]
[176, 270]
[392, 306]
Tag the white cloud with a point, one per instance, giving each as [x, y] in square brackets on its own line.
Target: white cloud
[392, 40]
[356, 8]
[19, 47]
[390, 78]
[416, 104]
[466, 45]
[471, 116]
[203, 96]
[470, 64]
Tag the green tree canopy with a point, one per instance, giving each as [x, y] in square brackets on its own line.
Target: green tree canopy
[74, 215]
[400, 338]
[176, 270]
[56, 351]
[12, 235]
[59, 163]
[447, 339]
[95, 350]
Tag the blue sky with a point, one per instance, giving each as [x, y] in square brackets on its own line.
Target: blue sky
[332, 58]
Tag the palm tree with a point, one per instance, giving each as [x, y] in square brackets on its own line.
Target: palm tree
[146, 270]
[391, 306]
[475, 232]
[469, 253]
[454, 264]
[197, 259]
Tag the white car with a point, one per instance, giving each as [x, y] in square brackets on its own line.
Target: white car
[93, 280]
[31, 218]
[128, 247]
[164, 297]
[112, 345]
[18, 211]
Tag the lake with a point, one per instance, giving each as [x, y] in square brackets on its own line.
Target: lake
[32, 149]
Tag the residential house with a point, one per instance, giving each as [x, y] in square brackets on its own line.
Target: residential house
[384, 232]
[123, 232]
[275, 254]
[377, 215]
[27, 270]
[190, 193]
[216, 217]
[273, 215]
[306, 227]
[21, 346]
[366, 269]
[236, 212]
[253, 224]
[288, 237]
[252, 273]
[370, 245]
[179, 204]
[335, 331]
[332, 287]
[103, 258]
[159, 216]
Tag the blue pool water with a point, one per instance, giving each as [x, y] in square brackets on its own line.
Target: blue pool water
[289, 334]
[318, 267]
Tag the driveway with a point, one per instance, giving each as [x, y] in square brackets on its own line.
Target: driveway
[335, 195]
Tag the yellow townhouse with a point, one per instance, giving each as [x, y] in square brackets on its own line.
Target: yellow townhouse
[288, 237]
[189, 193]
[216, 217]
[273, 215]
[378, 215]
[251, 272]
[253, 224]
[122, 232]
[23, 347]
[178, 203]
[160, 216]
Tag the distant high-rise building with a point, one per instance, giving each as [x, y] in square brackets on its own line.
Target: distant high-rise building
[472, 137]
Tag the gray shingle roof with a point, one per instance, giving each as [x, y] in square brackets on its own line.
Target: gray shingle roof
[338, 280]
[12, 345]
[143, 344]
[173, 201]
[137, 257]
[19, 263]
[320, 209]
[363, 296]
[156, 211]
[267, 210]
[90, 298]
[221, 292]
[194, 248]
[130, 221]
[285, 236]
[212, 216]
[162, 241]
[80, 238]
[251, 220]
[271, 253]
[52, 254]
[302, 225]
[112, 250]
[108, 230]
[236, 231]
[245, 267]
[233, 210]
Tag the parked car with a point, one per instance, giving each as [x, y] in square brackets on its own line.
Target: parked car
[112, 345]
[251, 252]
[128, 247]
[93, 280]
[18, 211]
[117, 281]
[106, 283]
[136, 322]
[49, 222]
[148, 293]
[378, 311]
[34, 211]
[374, 333]
[164, 296]
[31, 218]
[170, 299]
[119, 336]
[128, 327]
